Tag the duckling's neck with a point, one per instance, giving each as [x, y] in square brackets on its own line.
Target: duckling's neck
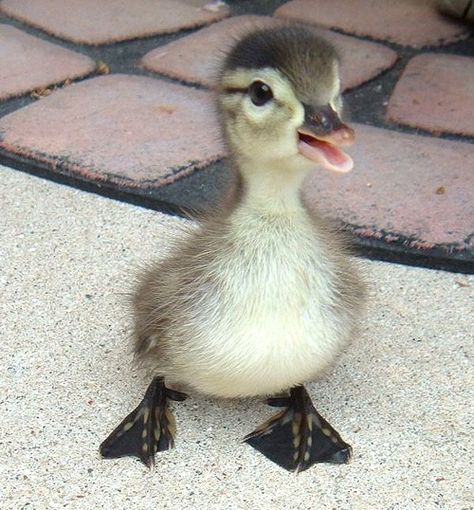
[271, 188]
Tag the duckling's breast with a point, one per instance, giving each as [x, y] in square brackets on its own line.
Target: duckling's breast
[272, 319]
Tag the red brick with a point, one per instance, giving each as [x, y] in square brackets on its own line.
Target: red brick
[406, 22]
[123, 129]
[393, 188]
[106, 21]
[196, 58]
[28, 63]
[435, 92]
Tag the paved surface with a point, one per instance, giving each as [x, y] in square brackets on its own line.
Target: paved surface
[433, 207]
[196, 58]
[28, 63]
[98, 116]
[432, 90]
[406, 22]
[107, 21]
[401, 394]
[137, 136]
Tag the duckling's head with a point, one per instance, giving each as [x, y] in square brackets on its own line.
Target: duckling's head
[280, 101]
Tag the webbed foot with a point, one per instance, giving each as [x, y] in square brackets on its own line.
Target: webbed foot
[298, 436]
[148, 429]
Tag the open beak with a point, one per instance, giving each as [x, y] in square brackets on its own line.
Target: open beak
[320, 137]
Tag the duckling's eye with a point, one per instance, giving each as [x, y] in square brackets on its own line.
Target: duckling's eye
[260, 93]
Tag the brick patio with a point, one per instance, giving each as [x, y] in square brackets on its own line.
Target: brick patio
[30, 63]
[408, 72]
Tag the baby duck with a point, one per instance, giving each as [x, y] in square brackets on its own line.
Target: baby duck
[261, 298]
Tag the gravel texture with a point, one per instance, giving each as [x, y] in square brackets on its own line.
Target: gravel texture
[400, 394]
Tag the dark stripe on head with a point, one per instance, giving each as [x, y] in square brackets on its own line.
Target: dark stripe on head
[276, 48]
[299, 53]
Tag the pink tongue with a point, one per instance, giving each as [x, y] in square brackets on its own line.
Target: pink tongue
[327, 155]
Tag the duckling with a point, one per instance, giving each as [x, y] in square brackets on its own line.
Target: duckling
[261, 298]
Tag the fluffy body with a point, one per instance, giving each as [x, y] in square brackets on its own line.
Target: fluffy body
[261, 297]
[253, 304]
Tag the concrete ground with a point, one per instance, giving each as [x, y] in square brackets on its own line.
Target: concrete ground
[401, 394]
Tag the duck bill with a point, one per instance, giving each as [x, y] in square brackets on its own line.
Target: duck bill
[320, 139]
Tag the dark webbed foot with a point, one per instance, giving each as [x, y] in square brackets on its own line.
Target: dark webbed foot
[298, 436]
[148, 429]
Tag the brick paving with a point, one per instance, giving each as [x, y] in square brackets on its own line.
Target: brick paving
[407, 22]
[137, 135]
[28, 63]
[432, 92]
[106, 21]
[130, 130]
[196, 58]
[430, 183]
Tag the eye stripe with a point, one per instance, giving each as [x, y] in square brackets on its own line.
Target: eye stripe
[235, 90]
[239, 90]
